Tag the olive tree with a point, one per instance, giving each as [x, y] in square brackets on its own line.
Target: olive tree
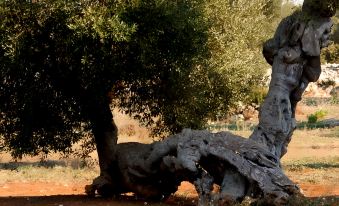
[170, 64]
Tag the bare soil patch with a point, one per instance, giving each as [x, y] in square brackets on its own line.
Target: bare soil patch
[52, 193]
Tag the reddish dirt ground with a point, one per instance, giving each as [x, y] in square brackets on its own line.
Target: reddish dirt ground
[54, 194]
[315, 190]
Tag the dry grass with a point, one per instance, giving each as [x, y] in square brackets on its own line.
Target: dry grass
[314, 170]
[304, 111]
[317, 143]
[60, 174]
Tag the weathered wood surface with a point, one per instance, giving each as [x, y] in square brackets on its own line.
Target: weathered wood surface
[203, 158]
[241, 167]
[294, 54]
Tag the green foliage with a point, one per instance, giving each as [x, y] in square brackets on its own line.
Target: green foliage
[330, 54]
[287, 8]
[335, 33]
[258, 94]
[272, 8]
[170, 64]
[312, 118]
[237, 33]
[318, 115]
[170, 92]
[61, 59]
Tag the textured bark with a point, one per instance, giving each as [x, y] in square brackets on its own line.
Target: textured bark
[203, 158]
[241, 167]
[294, 54]
[106, 135]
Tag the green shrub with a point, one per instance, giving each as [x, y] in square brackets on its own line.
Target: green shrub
[313, 118]
[320, 114]
[330, 54]
[169, 64]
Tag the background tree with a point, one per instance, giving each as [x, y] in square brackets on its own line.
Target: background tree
[64, 63]
[331, 54]
[237, 32]
[288, 7]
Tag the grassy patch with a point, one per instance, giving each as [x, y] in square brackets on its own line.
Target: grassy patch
[313, 163]
[333, 133]
[35, 173]
[322, 171]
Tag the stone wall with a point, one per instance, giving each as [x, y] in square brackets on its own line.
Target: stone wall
[329, 75]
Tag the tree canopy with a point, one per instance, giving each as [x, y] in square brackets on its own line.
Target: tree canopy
[170, 64]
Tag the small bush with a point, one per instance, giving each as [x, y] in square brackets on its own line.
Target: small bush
[330, 54]
[313, 118]
[326, 83]
[320, 114]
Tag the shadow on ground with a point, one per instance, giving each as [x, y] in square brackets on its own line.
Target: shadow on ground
[82, 200]
[73, 163]
[46, 164]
